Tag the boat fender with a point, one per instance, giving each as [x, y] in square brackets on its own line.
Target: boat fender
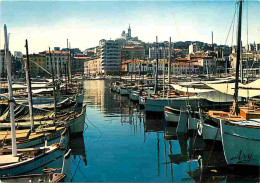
[200, 162]
[199, 127]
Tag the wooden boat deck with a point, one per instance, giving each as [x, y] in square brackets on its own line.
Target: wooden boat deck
[8, 159]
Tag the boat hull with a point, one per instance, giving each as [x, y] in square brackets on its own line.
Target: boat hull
[171, 115]
[240, 144]
[77, 125]
[23, 167]
[79, 99]
[51, 139]
[158, 104]
[134, 96]
[211, 133]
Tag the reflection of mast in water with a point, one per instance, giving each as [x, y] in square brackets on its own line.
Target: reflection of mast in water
[77, 147]
[158, 153]
[165, 156]
[170, 150]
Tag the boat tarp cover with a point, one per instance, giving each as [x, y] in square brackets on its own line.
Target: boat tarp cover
[189, 89]
[248, 90]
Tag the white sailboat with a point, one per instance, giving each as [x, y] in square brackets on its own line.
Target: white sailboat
[17, 161]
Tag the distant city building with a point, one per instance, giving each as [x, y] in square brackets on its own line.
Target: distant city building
[77, 64]
[72, 50]
[58, 58]
[3, 71]
[132, 52]
[126, 39]
[193, 48]
[56, 48]
[93, 67]
[37, 64]
[109, 54]
[162, 50]
[18, 54]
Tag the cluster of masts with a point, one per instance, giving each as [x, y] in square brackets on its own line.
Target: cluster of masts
[54, 122]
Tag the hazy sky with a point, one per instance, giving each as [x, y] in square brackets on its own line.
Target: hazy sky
[84, 23]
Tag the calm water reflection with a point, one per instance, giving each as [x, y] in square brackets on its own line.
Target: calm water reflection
[120, 144]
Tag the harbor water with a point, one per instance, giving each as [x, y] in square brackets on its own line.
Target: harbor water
[121, 144]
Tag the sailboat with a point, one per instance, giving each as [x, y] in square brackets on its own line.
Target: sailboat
[17, 161]
[240, 128]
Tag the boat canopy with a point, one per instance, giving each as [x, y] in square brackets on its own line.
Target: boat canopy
[248, 90]
[190, 89]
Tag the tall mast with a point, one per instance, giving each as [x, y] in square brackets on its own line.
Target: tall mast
[169, 66]
[156, 74]
[212, 40]
[29, 84]
[68, 62]
[53, 83]
[163, 69]
[58, 69]
[238, 56]
[10, 91]
[65, 75]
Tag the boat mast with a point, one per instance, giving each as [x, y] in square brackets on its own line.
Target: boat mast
[169, 67]
[69, 66]
[29, 84]
[68, 62]
[163, 69]
[238, 57]
[53, 83]
[10, 91]
[156, 74]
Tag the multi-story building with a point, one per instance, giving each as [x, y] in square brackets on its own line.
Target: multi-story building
[162, 50]
[185, 68]
[193, 48]
[59, 58]
[132, 52]
[93, 67]
[77, 64]
[18, 54]
[110, 60]
[134, 66]
[2, 64]
[37, 64]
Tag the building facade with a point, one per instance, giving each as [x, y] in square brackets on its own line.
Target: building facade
[132, 52]
[193, 48]
[109, 54]
[59, 61]
[93, 67]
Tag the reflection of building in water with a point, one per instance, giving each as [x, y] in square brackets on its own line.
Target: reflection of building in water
[97, 93]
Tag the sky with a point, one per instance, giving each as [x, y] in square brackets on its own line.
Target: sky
[84, 23]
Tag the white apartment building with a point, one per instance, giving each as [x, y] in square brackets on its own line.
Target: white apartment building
[110, 61]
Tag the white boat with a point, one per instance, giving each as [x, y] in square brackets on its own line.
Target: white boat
[171, 114]
[77, 123]
[158, 104]
[16, 165]
[241, 142]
